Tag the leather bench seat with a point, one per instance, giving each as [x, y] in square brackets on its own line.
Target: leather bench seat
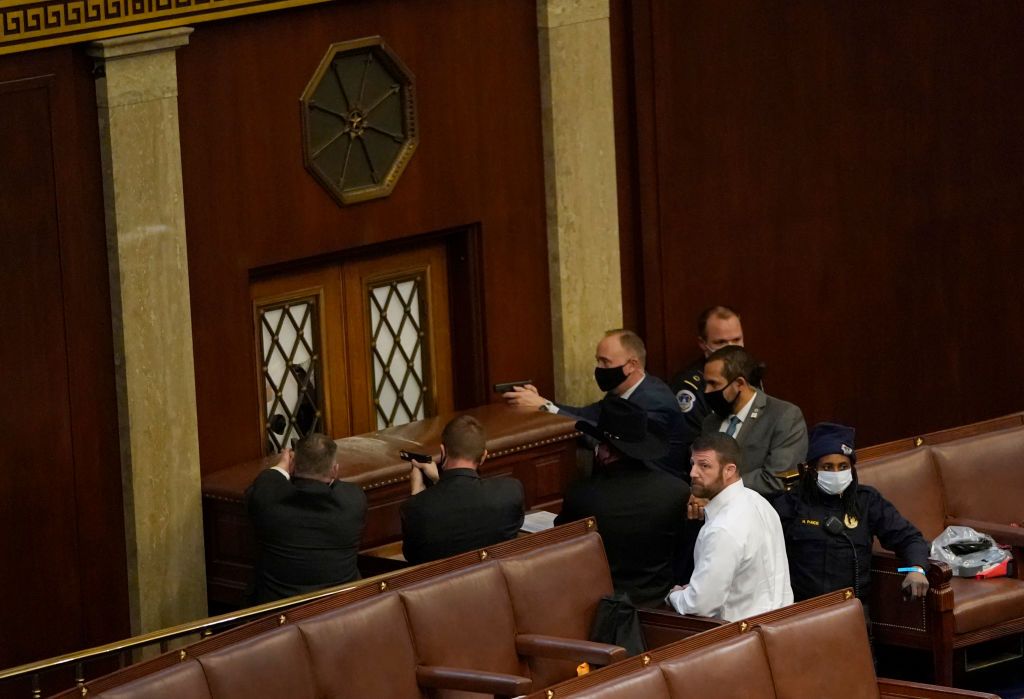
[983, 476]
[910, 481]
[500, 621]
[649, 684]
[819, 651]
[363, 650]
[736, 668]
[967, 476]
[560, 571]
[272, 664]
[183, 680]
[983, 603]
[465, 620]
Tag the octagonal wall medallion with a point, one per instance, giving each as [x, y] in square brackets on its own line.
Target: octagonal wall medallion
[359, 120]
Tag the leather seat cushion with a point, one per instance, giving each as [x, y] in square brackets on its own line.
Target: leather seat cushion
[822, 653]
[183, 680]
[272, 664]
[555, 591]
[713, 671]
[983, 476]
[910, 481]
[464, 619]
[363, 650]
[649, 684]
[981, 603]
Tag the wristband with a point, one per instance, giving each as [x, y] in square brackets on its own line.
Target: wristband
[911, 569]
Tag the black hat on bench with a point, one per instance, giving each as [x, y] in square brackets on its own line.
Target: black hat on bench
[626, 427]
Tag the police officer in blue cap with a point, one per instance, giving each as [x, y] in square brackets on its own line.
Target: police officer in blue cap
[830, 522]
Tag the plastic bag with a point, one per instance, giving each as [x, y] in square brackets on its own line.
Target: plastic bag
[968, 552]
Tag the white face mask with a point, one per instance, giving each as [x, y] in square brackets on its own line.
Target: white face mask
[835, 482]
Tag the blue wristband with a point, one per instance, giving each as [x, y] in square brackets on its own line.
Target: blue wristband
[911, 569]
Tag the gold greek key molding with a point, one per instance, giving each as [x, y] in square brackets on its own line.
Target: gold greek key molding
[33, 24]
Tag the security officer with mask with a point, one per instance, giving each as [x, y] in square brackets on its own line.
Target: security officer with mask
[621, 359]
[830, 522]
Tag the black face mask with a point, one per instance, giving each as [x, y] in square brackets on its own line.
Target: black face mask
[717, 401]
[609, 378]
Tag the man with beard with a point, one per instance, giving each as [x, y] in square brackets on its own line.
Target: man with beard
[830, 523]
[621, 358]
[740, 556]
[771, 432]
[639, 510]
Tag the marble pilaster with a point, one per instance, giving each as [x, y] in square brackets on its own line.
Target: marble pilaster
[136, 92]
[582, 209]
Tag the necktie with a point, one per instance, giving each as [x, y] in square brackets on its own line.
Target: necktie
[734, 423]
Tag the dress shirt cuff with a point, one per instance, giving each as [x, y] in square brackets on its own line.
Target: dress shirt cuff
[550, 407]
[283, 471]
[675, 600]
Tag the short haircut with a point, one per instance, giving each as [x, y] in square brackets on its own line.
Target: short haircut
[727, 450]
[723, 312]
[314, 455]
[464, 438]
[737, 362]
[631, 342]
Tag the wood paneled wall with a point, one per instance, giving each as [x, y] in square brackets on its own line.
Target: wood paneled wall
[850, 175]
[250, 204]
[62, 552]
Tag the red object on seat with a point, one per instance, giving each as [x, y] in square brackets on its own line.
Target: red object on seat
[999, 570]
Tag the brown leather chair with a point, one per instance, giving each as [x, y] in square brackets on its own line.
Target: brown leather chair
[712, 671]
[816, 650]
[576, 574]
[649, 684]
[273, 665]
[362, 650]
[183, 680]
[821, 653]
[934, 486]
[464, 621]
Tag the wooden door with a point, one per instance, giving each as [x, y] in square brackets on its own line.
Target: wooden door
[399, 344]
[63, 574]
[352, 346]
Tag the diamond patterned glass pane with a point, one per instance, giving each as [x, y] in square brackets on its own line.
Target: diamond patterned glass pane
[399, 380]
[290, 348]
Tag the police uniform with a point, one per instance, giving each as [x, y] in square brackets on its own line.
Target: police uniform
[688, 387]
[820, 562]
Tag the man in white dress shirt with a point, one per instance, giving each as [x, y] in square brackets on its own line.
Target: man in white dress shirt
[740, 556]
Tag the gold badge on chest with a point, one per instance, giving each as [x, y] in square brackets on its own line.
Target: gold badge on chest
[850, 521]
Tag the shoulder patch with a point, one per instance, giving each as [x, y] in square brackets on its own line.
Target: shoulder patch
[686, 400]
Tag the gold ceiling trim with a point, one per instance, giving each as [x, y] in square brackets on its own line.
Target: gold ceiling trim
[34, 24]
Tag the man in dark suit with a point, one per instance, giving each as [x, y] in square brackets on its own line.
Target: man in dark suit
[717, 327]
[621, 358]
[308, 524]
[771, 432]
[454, 510]
[639, 510]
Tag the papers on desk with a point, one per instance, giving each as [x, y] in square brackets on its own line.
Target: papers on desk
[538, 521]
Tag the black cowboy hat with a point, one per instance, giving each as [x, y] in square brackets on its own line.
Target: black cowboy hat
[625, 426]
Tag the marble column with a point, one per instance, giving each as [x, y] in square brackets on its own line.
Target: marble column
[582, 210]
[137, 96]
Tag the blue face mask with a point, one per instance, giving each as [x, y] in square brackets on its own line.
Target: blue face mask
[834, 482]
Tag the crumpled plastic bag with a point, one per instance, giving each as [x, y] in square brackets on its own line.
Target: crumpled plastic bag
[968, 552]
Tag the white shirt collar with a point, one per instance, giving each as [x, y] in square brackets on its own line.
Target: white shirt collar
[717, 503]
[629, 391]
